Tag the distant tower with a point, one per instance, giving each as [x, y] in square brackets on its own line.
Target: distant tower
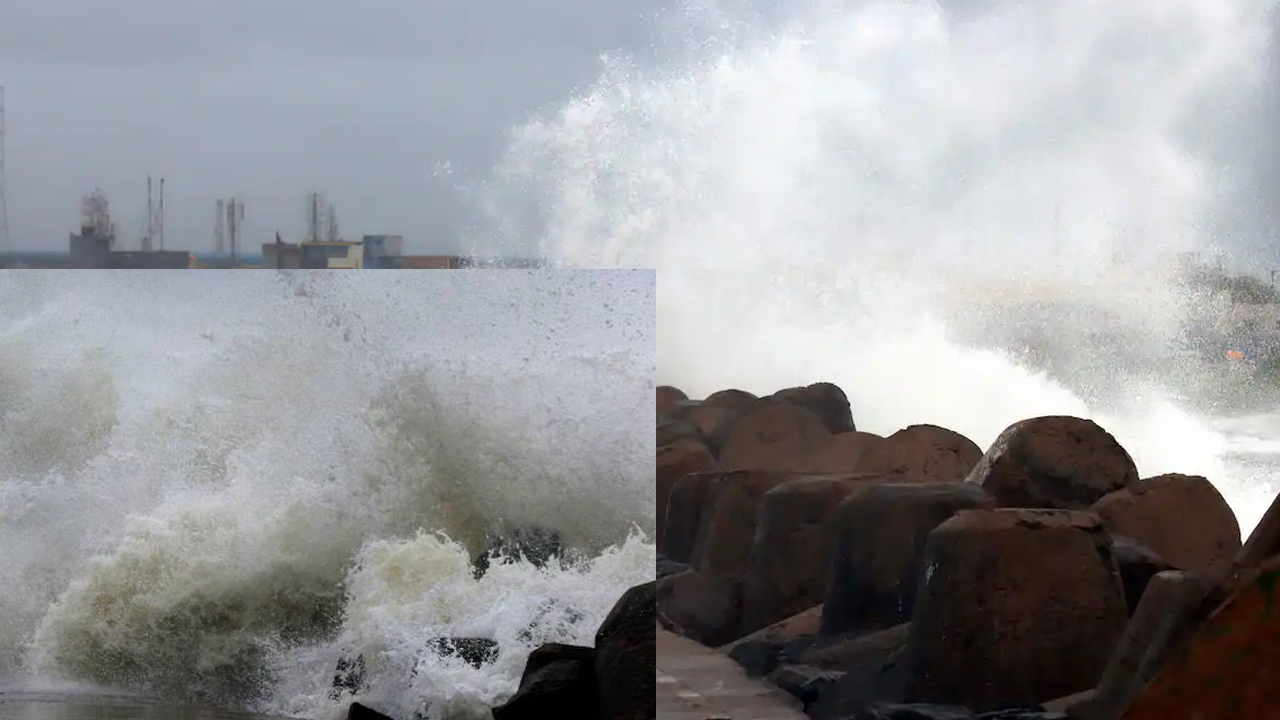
[331, 225]
[155, 219]
[4, 204]
[315, 217]
[220, 228]
[235, 220]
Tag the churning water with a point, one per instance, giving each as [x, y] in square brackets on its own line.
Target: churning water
[213, 486]
[834, 189]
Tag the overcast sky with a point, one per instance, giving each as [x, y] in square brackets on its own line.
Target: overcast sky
[269, 100]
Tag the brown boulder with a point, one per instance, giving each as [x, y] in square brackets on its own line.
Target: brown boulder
[825, 400]
[839, 453]
[1182, 517]
[728, 523]
[1017, 607]
[878, 551]
[731, 399]
[685, 506]
[667, 397]
[1227, 668]
[699, 607]
[671, 430]
[771, 435]
[674, 462]
[1264, 541]
[1054, 462]
[923, 453]
[791, 550]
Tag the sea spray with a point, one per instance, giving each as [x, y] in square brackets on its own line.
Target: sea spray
[850, 191]
[271, 442]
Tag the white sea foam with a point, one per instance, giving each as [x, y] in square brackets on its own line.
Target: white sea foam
[216, 485]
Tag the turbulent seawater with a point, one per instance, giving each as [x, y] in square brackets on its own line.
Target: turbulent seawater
[856, 191]
[215, 485]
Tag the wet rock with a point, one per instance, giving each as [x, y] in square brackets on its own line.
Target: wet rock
[474, 651]
[558, 681]
[878, 551]
[905, 711]
[364, 712]
[839, 453]
[1183, 518]
[924, 454]
[626, 654]
[534, 545]
[804, 683]
[873, 672]
[770, 435]
[791, 550]
[348, 677]
[728, 523]
[704, 608]
[685, 507]
[667, 397]
[1168, 613]
[673, 464]
[667, 567]
[763, 650]
[1054, 462]
[825, 400]
[1017, 607]
[1137, 564]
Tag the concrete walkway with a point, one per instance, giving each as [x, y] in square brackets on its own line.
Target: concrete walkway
[698, 683]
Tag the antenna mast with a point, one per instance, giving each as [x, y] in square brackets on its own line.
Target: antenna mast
[4, 205]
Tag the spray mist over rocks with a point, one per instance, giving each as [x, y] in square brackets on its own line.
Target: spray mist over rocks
[849, 191]
[215, 485]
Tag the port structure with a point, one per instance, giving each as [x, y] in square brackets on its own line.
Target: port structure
[4, 203]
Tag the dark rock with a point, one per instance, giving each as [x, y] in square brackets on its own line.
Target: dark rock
[804, 683]
[667, 397]
[672, 430]
[904, 711]
[769, 435]
[1022, 715]
[363, 712]
[685, 507]
[667, 567]
[1016, 607]
[1058, 462]
[878, 551]
[674, 462]
[924, 454]
[874, 672]
[1137, 564]
[757, 657]
[1183, 518]
[534, 545]
[790, 551]
[558, 681]
[626, 654]
[474, 651]
[701, 607]
[348, 677]
[825, 400]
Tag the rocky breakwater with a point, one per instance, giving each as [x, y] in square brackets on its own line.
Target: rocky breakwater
[914, 576]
